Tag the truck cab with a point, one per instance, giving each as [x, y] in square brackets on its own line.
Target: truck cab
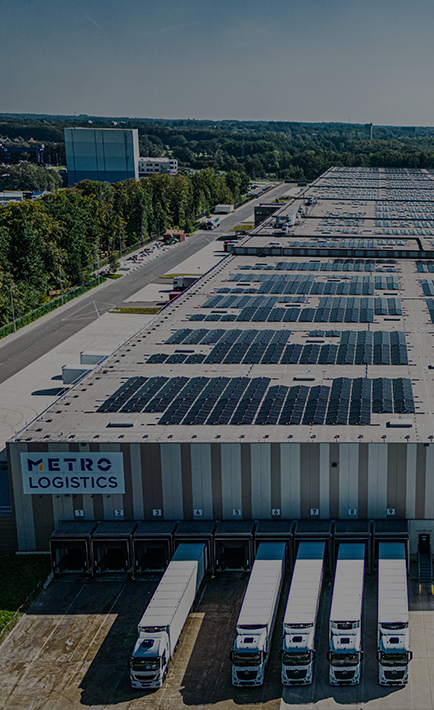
[345, 655]
[249, 656]
[393, 654]
[149, 660]
[297, 654]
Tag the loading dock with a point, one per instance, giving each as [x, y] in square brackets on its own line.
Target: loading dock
[197, 531]
[275, 531]
[112, 546]
[70, 546]
[152, 545]
[389, 531]
[233, 544]
[353, 531]
[315, 531]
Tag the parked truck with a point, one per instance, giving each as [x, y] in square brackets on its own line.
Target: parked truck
[160, 627]
[345, 629]
[301, 613]
[257, 616]
[393, 652]
[180, 283]
[212, 223]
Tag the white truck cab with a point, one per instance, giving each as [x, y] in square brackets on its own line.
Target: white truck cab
[249, 656]
[149, 660]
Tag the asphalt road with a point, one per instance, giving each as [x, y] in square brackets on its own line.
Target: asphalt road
[30, 343]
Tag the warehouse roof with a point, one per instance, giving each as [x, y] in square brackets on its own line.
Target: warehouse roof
[273, 346]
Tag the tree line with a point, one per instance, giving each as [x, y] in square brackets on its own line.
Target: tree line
[57, 238]
[276, 149]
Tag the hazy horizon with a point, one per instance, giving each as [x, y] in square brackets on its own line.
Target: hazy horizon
[305, 62]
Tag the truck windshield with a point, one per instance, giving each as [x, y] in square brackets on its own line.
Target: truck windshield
[344, 659]
[145, 664]
[393, 659]
[246, 659]
[295, 659]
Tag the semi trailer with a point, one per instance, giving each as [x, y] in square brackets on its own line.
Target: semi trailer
[301, 613]
[257, 616]
[161, 625]
[393, 652]
[345, 627]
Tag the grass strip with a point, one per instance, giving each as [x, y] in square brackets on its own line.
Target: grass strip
[148, 310]
[22, 577]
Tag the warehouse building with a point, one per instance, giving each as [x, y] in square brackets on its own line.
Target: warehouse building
[288, 392]
[103, 154]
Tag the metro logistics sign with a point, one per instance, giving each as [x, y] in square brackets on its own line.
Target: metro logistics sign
[52, 473]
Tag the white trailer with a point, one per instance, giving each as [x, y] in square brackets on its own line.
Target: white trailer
[223, 209]
[345, 629]
[258, 614]
[393, 652]
[160, 626]
[301, 613]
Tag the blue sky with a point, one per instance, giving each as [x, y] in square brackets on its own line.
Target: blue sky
[286, 60]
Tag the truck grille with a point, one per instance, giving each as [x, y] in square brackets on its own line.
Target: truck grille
[246, 675]
[394, 675]
[296, 674]
[344, 675]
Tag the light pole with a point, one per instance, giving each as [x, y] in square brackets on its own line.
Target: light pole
[61, 285]
[13, 311]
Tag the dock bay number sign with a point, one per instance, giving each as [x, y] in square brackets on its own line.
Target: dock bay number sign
[56, 473]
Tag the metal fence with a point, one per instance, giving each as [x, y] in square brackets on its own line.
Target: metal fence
[47, 308]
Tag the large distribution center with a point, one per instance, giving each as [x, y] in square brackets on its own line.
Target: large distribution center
[292, 382]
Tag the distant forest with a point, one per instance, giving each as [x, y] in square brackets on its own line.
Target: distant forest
[281, 150]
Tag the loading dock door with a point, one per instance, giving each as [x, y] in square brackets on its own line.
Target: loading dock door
[233, 544]
[197, 531]
[317, 531]
[70, 547]
[389, 531]
[353, 531]
[111, 547]
[275, 531]
[152, 545]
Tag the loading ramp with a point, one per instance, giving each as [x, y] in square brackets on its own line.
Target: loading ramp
[275, 531]
[197, 531]
[353, 531]
[70, 546]
[152, 545]
[315, 531]
[112, 546]
[389, 531]
[233, 544]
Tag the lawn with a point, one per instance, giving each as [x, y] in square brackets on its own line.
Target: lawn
[20, 575]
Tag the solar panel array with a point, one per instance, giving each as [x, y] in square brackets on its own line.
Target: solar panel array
[334, 265]
[268, 347]
[244, 401]
[329, 310]
[356, 285]
[425, 266]
[430, 304]
[335, 243]
[427, 287]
